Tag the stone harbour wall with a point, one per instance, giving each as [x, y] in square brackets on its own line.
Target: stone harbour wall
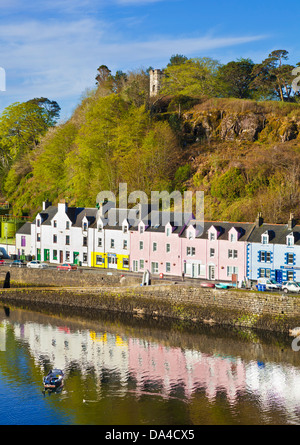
[189, 303]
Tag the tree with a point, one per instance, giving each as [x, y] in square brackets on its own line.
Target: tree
[272, 78]
[177, 59]
[234, 79]
[50, 108]
[195, 77]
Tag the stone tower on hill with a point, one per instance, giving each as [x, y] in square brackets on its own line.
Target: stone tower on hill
[155, 81]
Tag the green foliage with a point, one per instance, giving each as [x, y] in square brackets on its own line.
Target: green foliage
[229, 186]
[182, 174]
[194, 77]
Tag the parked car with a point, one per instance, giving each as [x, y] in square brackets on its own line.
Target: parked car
[67, 266]
[269, 283]
[35, 264]
[2, 262]
[291, 286]
[18, 263]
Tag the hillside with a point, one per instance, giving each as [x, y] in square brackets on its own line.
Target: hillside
[244, 154]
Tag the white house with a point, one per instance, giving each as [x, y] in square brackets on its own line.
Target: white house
[23, 240]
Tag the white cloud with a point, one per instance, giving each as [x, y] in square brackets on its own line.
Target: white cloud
[58, 58]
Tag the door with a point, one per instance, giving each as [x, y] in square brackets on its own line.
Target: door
[46, 254]
[211, 272]
[38, 254]
[194, 270]
[61, 256]
[278, 276]
[75, 257]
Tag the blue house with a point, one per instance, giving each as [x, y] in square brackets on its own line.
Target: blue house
[273, 251]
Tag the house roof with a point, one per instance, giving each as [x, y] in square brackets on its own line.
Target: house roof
[25, 229]
[223, 228]
[277, 233]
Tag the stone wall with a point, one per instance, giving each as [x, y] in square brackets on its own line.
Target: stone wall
[93, 290]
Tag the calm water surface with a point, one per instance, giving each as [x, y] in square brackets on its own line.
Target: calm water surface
[129, 371]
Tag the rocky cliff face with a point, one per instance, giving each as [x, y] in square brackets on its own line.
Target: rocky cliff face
[250, 126]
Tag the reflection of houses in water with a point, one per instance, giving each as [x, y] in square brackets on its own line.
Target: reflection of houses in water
[275, 385]
[159, 369]
[84, 349]
[173, 368]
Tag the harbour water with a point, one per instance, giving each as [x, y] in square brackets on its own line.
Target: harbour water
[131, 371]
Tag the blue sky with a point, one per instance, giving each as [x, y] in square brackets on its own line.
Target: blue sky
[52, 48]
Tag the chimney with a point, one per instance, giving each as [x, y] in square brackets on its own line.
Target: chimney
[291, 222]
[259, 220]
[46, 204]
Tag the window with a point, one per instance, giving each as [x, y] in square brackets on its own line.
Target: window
[85, 226]
[38, 237]
[265, 257]
[85, 257]
[154, 267]
[23, 241]
[84, 241]
[141, 229]
[135, 265]
[168, 231]
[125, 263]
[154, 247]
[168, 267]
[38, 222]
[212, 253]
[67, 255]
[190, 235]
[67, 240]
[264, 273]
[193, 251]
[265, 239]
[232, 253]
[54, 239]
[125, 229]
[290, 258]
[201, 270]
[125, 244]
[232, 238]
[290, 275]
[99, 260]
[290, 240]
[212, 236]
[168, 248]
[141, 245]
[112, 243]
[99, 242]
[100, 228]
[141, 264]
[67, 225]
[232, 270]
[54, 223]
[54, 255]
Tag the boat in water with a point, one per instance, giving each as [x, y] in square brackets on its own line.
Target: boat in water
[54, 380]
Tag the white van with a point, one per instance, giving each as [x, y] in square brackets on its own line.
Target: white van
[269, 283]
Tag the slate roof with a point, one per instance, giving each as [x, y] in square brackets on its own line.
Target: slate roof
[277, 233]
[25, 229]
[245, 229]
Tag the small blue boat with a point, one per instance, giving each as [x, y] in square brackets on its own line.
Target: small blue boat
[54, 380]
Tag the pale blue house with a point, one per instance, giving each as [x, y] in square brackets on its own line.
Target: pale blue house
[273, 251]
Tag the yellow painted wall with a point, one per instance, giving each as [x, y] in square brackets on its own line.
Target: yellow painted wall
[105, 264]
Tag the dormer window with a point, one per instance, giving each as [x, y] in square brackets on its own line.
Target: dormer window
[168, 231]
[100, 228]
[265, 238]
[38, 222]
[212, 236]
[290, 240]
[232, 238]
[84, 226]
[190, 235]
[55, 223]
[125, 228]
[141, 229]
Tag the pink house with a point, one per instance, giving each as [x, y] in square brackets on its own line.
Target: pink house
[156, 246]
[218, 253]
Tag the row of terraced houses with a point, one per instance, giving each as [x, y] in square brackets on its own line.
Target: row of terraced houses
[222, 251]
